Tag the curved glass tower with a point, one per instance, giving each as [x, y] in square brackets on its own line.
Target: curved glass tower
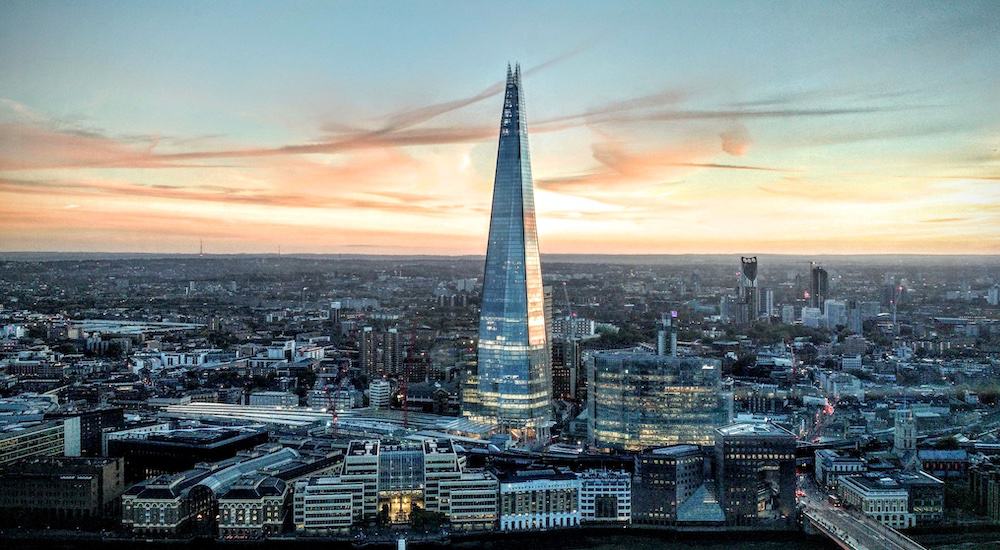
[514, 368]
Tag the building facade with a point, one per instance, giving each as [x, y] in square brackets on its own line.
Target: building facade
[665, 478]
[605, 496]
[535, 500]
[755, 469]
[61, 492]
[640, 400]
[515, 390]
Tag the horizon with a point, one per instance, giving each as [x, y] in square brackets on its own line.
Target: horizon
[660, 129]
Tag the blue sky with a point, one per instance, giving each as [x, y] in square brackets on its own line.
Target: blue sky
[840, 127]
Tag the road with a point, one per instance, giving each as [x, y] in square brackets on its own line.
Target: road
[855, 529]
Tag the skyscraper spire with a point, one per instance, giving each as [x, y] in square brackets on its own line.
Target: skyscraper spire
[513, 368]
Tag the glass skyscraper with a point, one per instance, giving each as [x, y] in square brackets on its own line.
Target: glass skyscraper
[514, 366]
[640, 400]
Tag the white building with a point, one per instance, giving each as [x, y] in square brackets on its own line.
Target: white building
[836, 313]
[831, 466]
[812, 317]
[605, 496]
[533, 500]
[379, 392]
[880, 498]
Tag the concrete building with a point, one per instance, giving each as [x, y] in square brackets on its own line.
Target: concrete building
[539, 499]
[175, 451]
[605, 496]
[273, 399]
[470, 501]
[254, 507]
[881, 498]
[379, 393]
[831, 465]
[904, 432]
[20, 440]
[61, 492]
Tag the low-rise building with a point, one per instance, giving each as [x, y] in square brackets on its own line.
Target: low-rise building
[67, 492]
[539, 499]
[254, 507]
[832, 464]
[273, 399]
[880, 497]
[605, 496]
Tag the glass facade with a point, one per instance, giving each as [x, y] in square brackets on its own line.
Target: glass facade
[641, 400]
[513, 366]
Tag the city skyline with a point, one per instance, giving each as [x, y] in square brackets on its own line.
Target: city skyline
[842, 129]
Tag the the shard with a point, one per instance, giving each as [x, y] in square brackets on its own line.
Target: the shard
[514, 367]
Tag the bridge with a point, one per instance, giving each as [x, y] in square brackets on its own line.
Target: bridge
[850, 529]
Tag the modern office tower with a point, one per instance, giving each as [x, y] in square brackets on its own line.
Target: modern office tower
[904, 433]
[755, 470]
[768, 305]
[61, 492]
[368, 351]
[641, 400]
[514, 361]
[539, 499]
[666, 337]
[392, 353]
[664, 479]
[605, 496]
[379, 392]
[748, 300]
[819, 285]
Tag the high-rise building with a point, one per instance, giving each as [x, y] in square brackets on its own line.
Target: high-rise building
[819, 285]
[768, 306]
[392, 352]
[665, 478]
[368, 350]
[514, 361]
[755, 468]
[748, 308]
[641, 400]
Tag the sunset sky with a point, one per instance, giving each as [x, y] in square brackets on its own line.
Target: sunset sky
[371, 127]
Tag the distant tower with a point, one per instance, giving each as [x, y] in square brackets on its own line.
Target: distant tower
[392, 355]
[201, 247]
[905, 431]
[514, 359]
[819, 286]
[748, 308]
[369, 352]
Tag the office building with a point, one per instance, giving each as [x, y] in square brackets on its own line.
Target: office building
[748, 298]
[641, 400]
[93, 423]
[273, 399]
[819, 286]
[20, 440]
[664, 479]
[514, 362]
[755, 470]
[831, 465]
[379, 393]
[605, 496]
[61, 492]
[471, 501]
[879, 497]
[368, 352]
[539, 499]
[566, 369]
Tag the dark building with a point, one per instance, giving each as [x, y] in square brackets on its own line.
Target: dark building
[665, 478]
[179, 450]
[748, 306]
[566, 371]
[61, 492]
[755, 469]
[92, 424]
[925, 496]
[819, 285]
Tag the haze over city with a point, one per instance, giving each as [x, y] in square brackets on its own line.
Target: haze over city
[656, 128]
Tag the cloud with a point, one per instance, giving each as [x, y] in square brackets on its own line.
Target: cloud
[735, 140]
